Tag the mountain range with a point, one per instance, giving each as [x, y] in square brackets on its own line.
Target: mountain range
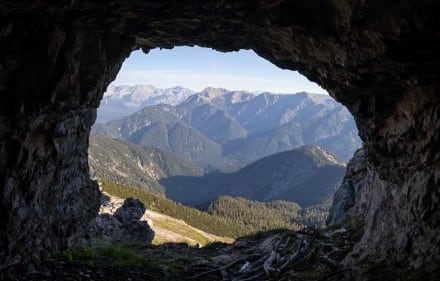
[306, 175]
[233, 154]
[224, 130]
[121, 101]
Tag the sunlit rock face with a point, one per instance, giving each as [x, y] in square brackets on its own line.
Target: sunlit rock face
[379, 58]
[348, 196]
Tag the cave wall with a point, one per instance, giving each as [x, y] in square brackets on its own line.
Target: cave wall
[379, 58]
[400, 197]
[53, 72]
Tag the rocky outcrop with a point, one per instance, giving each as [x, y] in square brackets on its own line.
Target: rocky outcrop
[122, 224]
[349, 192]
[379, 58]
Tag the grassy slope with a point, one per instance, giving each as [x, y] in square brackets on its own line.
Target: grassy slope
[170, 230]
[201, 220]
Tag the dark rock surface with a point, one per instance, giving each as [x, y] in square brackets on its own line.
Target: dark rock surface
[379, 58]
[131, 210]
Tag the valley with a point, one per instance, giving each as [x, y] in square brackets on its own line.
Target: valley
[227, 216]
[236, 160]
[304, 175]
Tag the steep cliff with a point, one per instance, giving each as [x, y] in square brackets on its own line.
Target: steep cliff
[379, 58]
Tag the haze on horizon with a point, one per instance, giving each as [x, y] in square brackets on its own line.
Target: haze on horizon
[197, 68]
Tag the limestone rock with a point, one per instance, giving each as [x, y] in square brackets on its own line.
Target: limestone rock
[350, 190]
[106, 228]
[124, 225]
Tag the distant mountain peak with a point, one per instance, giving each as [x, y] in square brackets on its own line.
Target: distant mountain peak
[330, 157]
[321, 155]
[122, 90]
[212, 92]
[122, 100]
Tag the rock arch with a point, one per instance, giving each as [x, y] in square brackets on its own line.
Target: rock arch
[379, 58]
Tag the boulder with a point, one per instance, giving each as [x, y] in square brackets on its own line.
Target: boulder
[123, 226]
[131, 211]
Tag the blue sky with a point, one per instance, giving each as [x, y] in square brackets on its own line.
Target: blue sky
[197, 68]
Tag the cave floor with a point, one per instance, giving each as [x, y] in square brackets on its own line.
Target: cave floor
[309, 254]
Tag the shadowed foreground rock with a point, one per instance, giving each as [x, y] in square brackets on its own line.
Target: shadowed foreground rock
[277, 255]
[379, 58]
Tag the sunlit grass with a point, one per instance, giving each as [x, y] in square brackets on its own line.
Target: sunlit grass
[182, 233]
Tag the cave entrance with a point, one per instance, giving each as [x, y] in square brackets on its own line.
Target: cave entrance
[191, 121]
[379, 59]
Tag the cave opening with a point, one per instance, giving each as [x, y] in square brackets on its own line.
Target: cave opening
[218, 116]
